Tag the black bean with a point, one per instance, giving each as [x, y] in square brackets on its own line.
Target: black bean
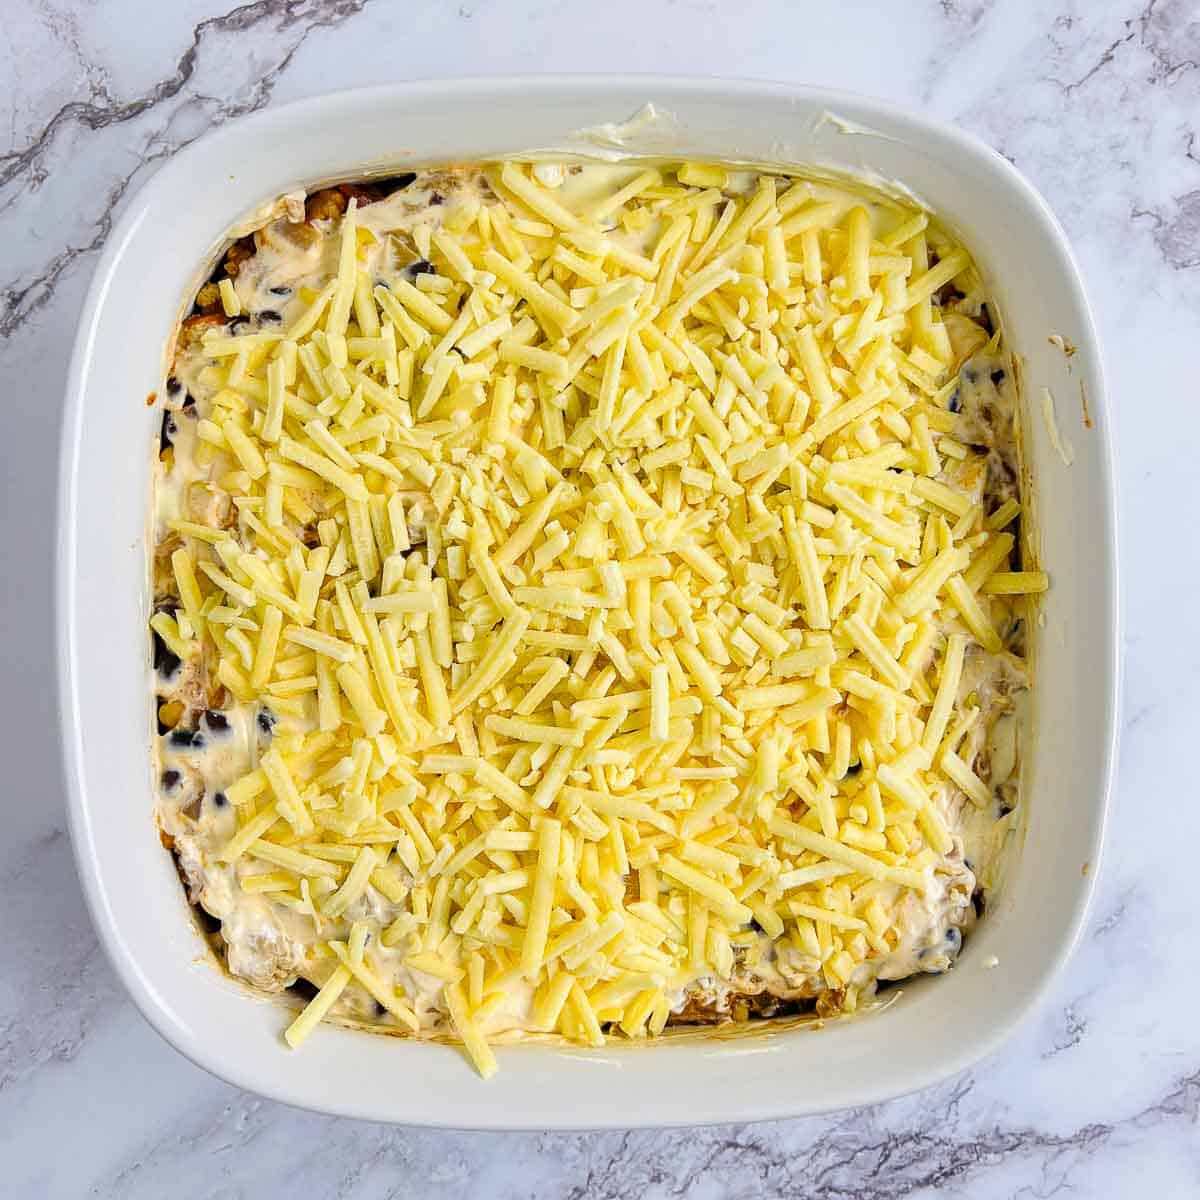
[174, 387]
[421, 267]
[998, 376]
[955, 404]
[970, 374]
[208, 922]
[170, 780]
[220, 800]
[954, 939]
[166, 431]
[216, 721]
[302, 988]
[266, 721]
[166, 662]
[282, 290]
[186, 739]
[268, 316]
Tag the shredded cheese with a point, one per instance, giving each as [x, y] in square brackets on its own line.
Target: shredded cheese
[615, 580]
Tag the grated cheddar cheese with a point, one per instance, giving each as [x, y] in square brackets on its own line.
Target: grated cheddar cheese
[589, 599]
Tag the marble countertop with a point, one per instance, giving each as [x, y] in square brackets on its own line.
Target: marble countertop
[1099, 1095]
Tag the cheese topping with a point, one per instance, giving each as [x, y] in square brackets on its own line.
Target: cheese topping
[596, 598]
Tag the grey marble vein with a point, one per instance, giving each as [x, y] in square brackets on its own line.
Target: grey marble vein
[1099, 1094]
[945, 1142]
[103, 109]
[1116, 914]
[68, 988]
[1073, 1029]
[288, 23]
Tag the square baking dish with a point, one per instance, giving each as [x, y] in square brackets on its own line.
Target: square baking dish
[931, 1028]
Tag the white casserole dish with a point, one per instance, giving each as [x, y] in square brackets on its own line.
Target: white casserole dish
[934, 1027]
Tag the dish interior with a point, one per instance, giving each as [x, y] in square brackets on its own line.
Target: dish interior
[589, 598]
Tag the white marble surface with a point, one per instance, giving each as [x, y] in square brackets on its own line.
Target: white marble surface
[1097, 102]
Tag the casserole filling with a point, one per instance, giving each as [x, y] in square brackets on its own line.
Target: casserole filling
[588, 599]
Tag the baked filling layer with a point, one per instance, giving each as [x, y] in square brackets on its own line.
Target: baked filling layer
[589, 598]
